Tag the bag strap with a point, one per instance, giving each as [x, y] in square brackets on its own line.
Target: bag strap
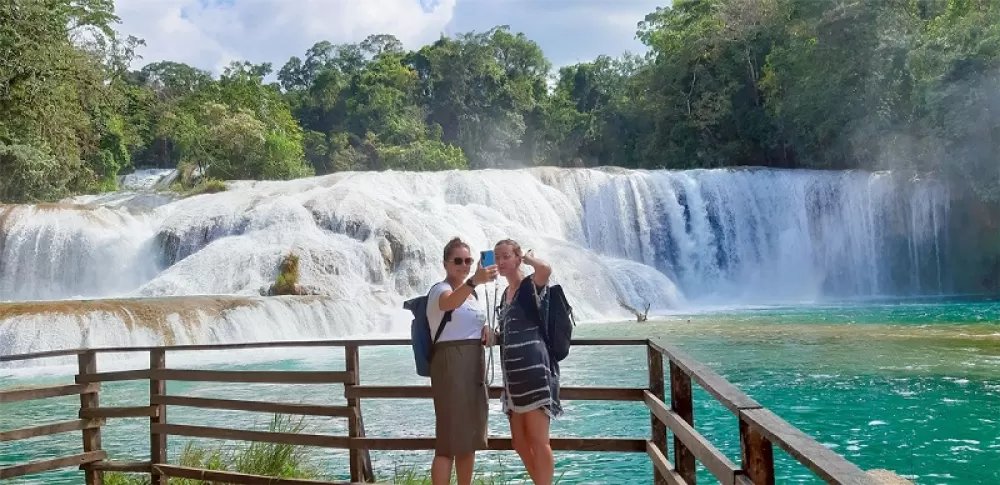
[447, 318]
[547, 324]
[543, 317]
[444, 321]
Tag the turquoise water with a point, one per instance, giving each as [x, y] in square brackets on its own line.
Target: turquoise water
[910, 387]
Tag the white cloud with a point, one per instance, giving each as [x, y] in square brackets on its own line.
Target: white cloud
[568, 31]
[211, 33]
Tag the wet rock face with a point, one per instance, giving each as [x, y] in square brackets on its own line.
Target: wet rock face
[294, 290]
[389, 236]
[178, 243]
[393, 250]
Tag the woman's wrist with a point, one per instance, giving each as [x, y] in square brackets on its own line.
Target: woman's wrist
[471, 283]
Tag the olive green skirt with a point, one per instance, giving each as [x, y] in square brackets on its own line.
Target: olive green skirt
[458, 384]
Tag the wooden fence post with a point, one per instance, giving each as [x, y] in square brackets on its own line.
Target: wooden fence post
[757, 455]
[157, 441]
[656, 387]
[91, 437]
[682, 403]
[361, 461]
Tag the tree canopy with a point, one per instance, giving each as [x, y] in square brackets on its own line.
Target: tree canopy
[905, 85]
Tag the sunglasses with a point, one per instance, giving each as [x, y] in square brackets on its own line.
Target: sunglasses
[459, 261]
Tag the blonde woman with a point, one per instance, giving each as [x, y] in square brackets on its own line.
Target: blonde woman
[531, 378]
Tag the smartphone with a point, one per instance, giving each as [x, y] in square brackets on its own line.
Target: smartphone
[486, 258]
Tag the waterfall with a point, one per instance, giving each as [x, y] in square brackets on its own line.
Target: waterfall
[670, 239]
[39, 326]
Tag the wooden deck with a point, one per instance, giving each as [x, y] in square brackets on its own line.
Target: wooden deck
[759, 429]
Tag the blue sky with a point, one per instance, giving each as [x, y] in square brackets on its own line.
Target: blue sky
[210, 33]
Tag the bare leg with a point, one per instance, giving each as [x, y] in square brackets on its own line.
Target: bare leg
[522, 446]
[536, 423]
[463, 468]
[441, 470]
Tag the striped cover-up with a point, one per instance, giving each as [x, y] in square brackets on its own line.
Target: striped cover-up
[531, 378]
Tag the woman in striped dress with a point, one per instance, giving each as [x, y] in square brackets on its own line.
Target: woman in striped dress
[531, 379]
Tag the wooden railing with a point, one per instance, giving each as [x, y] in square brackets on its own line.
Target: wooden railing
[759, 428]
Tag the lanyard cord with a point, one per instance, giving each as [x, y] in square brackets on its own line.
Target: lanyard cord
[491, 320]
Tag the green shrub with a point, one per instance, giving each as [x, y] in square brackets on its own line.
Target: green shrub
[288, 276]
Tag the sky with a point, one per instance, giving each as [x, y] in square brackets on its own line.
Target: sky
[210, 33]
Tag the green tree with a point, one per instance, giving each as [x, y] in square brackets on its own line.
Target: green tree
[53, 94]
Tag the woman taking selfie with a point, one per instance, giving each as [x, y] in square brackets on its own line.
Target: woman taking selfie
[458, 367]
[531, 379]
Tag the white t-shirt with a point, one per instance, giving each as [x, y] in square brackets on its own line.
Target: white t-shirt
[466, 321]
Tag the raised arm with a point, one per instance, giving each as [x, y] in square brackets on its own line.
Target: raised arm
[452, 299]
[542, 269]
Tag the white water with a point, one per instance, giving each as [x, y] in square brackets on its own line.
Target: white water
[149, 179]
[36, 327]
[370, 240]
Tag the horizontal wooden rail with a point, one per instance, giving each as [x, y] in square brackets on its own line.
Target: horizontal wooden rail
[215, 476]
[47, 392]
[49, 429]
[122, 375]
[504, 443]
[46, 465]
[119, 412]
[713, 459]
[119, 466]
[565, 393]
[256, 406]
[822, 461]
[324, 441]
[663, 465]
[275, 344]
[266, 377]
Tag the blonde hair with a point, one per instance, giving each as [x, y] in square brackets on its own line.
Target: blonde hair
[512, 243]
[455, 243]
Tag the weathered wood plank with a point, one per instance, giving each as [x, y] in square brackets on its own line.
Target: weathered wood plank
[87, 363]
[756, 454]
[122, 375]
[40, 355]
[682, 404]
[713, 459]
[360, 460]
[268, 377]
[157, 441]
[657, 388]
[46, 465]
[504, 443]
[255, 406]
[49, 429]
[119, 412]
[729, 395]
[663, 466]
[214, 476]
[565, 393]
[825, 463]
[47, 392]
[274, 344]
[325, 441]
[119, 466]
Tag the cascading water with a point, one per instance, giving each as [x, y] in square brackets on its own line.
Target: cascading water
[367, 241]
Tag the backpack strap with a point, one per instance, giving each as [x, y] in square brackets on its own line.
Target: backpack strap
[444, 320]
[447, 318]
